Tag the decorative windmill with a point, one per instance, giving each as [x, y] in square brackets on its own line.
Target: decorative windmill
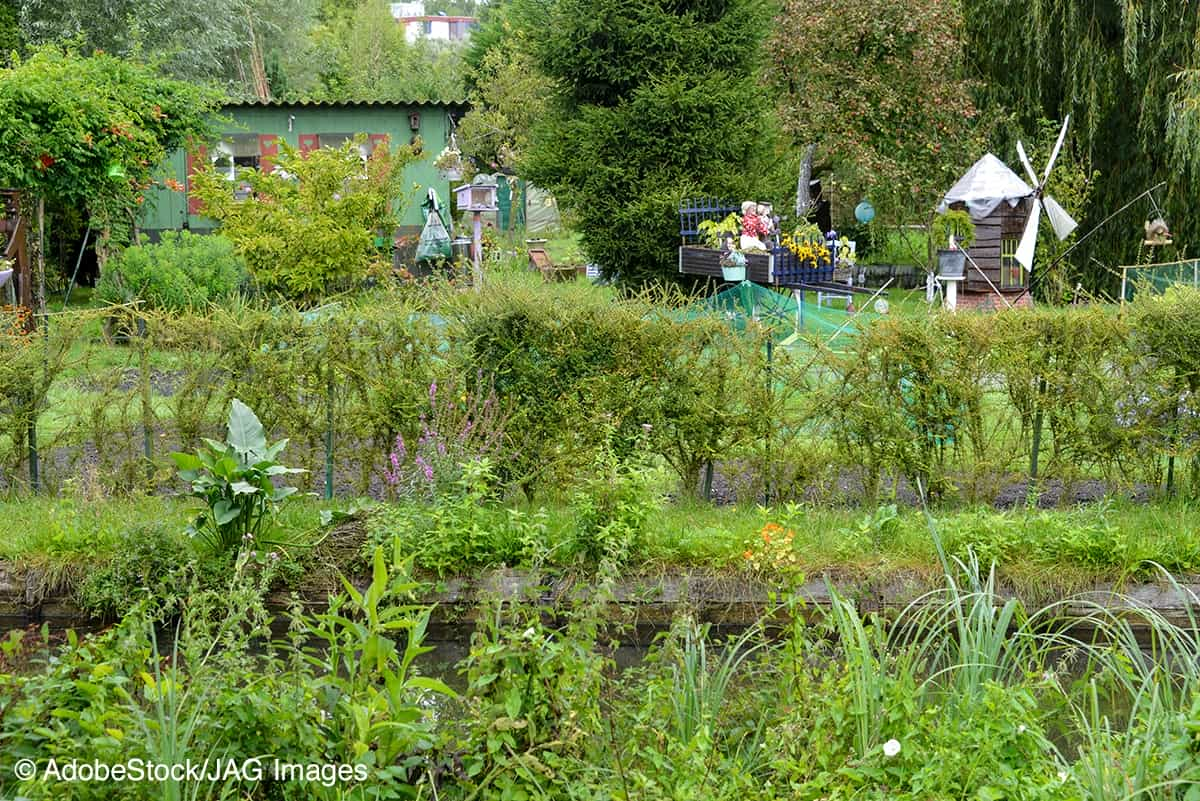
[1060, 221]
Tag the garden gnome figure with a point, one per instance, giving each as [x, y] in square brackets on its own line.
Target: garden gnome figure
[754, 228]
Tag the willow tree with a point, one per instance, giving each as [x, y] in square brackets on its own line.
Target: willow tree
[1114, 65]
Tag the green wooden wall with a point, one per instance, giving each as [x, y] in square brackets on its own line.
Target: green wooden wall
[167, 209]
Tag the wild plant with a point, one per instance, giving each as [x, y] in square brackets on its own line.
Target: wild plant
[612, 506]
[700, 688]
[459, 425]
[361, 671]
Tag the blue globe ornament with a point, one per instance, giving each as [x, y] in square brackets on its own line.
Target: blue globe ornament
[864, 212]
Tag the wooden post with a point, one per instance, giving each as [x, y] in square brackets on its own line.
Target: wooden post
[1037, 431]
[477, 271]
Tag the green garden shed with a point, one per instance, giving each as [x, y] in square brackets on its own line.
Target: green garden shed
[250, 134]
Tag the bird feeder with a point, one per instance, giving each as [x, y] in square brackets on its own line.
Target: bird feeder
[1157, 233]
[477, 197]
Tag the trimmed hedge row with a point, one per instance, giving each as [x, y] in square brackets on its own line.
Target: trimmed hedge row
[952, 402]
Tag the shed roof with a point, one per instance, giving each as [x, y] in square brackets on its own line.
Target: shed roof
[276, 103]
[985, 186]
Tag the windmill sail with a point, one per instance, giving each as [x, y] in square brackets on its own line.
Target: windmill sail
[1060, 221]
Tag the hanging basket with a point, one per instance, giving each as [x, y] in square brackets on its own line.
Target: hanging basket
[734, 274]
[733, 267]
[451, 173]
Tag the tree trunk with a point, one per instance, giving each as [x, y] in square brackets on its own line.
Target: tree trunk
[804, 203]
[262, 88]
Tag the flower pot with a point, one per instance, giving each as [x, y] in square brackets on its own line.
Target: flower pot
[734, 273]
[951, 263]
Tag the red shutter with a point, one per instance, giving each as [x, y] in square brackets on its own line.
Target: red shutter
[195, 162]
[268, 146]
[309, 143]
[375, 140]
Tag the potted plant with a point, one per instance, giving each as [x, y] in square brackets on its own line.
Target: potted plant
[715, 235]
[721, 235]
[952, 232]
[807, 245]
[733, 265]
[449, 161]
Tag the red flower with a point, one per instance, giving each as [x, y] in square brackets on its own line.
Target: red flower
[46, 160]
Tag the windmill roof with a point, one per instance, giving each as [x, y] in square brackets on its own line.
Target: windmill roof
[985, 186]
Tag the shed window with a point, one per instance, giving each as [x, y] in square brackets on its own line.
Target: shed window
[1012, 275]
[336, 140]
[236, 152]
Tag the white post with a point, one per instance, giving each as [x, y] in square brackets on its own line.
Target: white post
[477, 277]
[952, 295]
[929, 282]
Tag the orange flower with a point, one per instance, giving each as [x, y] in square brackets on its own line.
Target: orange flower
[747, 555]
[766, 537]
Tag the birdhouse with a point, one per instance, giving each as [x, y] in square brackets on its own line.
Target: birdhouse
[479, 195]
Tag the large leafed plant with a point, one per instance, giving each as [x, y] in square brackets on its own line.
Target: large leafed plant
[235, 479]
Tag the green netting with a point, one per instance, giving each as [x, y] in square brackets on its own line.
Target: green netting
[1155, 278]
[791, 321]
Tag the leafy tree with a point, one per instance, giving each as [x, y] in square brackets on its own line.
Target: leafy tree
[309, 227]
[655, 100]
[90, 130]
[238, 44]
[10, 31]
[1114, 65]
[361, 52]
[508, 89]
[880, 87]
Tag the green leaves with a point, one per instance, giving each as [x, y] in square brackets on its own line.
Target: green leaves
[65, 118]
[234, 479]
[309, 227]
[656, 102]
[246, 433]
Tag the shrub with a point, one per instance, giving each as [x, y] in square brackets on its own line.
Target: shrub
[150, 562]
[611, 509]
[309, 227]
[181, 271]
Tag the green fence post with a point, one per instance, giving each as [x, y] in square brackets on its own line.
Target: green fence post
[771, 406]
[328, 427]
[147, 407]
[1037, 431]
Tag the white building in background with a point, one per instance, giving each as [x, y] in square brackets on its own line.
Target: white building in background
[437, 27]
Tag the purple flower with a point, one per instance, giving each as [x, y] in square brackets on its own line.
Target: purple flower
[426, 468]
[433, 394]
